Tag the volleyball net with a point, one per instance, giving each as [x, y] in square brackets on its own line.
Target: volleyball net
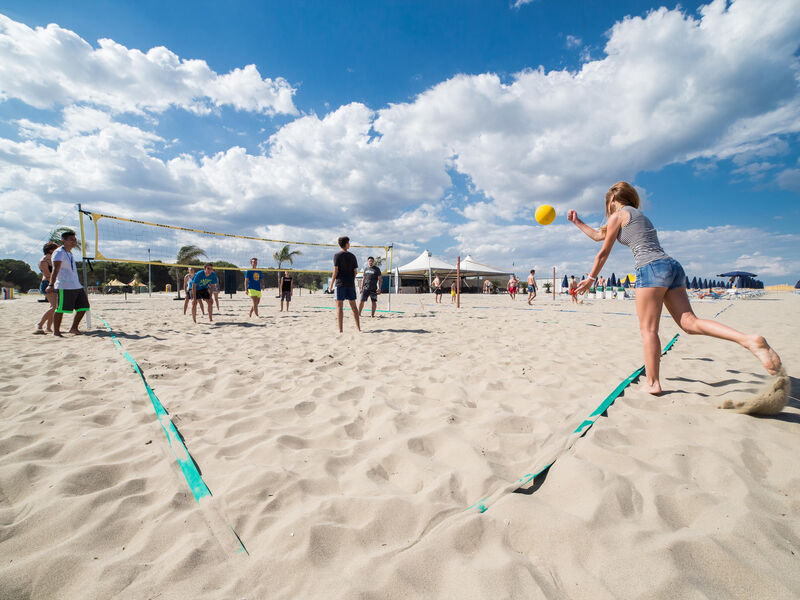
[114, 238]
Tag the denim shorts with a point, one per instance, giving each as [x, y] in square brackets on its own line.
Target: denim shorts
[664, 272]
[344, 293]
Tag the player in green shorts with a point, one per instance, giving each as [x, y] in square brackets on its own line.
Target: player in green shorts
[253, 280]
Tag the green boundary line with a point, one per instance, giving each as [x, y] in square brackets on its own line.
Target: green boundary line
[179, 450]
[482, 505]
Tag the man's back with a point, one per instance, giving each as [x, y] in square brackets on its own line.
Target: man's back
[347, 264]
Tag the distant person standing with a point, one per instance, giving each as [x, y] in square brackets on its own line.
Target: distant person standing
[531, 286]
[573, 289]
[437, 290]
[487, 287]
[187, 287]
[370, 286]
[46, 267]
[345, 267]
[453, 291]
[203, 285]
[286, 287]
[64, 281]
[253, 279]
[511, 287]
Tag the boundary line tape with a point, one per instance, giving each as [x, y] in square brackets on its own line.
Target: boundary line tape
[186, 463]
[483, 505]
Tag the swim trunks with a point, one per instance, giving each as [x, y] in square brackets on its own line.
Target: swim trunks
[69, 300]
[369, 295]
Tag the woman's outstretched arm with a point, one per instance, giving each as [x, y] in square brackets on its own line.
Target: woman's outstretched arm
[595, 234]
[614, 225]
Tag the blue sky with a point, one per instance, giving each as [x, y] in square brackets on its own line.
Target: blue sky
[438, 125]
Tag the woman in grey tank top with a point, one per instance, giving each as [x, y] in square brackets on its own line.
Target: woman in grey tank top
[660, 281]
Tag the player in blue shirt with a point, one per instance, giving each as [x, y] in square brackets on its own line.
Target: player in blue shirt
[202, 285]
[252, 285]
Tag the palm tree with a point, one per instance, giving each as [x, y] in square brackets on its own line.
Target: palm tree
[186, 255]
[55, 235]
[285, 256]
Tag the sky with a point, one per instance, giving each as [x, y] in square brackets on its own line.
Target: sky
[431, 125]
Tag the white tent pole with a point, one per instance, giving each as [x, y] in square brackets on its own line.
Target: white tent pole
[430, 279]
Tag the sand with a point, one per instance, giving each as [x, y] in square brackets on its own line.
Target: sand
[345, 463]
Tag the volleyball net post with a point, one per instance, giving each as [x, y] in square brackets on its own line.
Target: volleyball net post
[389, 273]
[458, 282]
[83, 262]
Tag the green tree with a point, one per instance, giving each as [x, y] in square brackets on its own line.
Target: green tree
[285, 255]
[187, 255]
[18, 274]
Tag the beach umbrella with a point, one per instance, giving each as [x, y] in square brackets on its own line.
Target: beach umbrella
[613, 280]
[694, 283]
[626, 283]
[737, 274]
[797, 285]
[565, 283]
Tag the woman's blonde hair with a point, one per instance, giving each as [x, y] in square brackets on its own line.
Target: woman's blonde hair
[624, 193]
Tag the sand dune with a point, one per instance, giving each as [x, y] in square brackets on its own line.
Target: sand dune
[345, 463]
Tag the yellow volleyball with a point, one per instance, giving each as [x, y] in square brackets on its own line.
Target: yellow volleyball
[545, 214]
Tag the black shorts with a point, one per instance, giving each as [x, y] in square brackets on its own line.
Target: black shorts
[438, 291]
[69, 300]
[286, 295]
[369, 294]
[203, 294]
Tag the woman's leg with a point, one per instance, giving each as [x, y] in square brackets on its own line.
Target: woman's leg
[47, 317]
[677, 303]
[648, 307]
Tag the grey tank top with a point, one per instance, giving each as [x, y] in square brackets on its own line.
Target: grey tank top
[641, 237]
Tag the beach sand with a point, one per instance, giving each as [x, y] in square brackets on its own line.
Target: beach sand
[345, 463]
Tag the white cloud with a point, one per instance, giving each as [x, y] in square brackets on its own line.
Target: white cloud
[670, 88]
[51, 66]
[574, 41]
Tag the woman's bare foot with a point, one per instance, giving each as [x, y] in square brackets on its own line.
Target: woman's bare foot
[652, 387]
[764, 352]
[75, 332]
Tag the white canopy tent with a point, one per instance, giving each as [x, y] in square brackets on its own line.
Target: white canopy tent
[424, 266]
[472, 268]
[424, 263]
[427, 266]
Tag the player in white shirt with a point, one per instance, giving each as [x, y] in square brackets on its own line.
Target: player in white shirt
[67, 286]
